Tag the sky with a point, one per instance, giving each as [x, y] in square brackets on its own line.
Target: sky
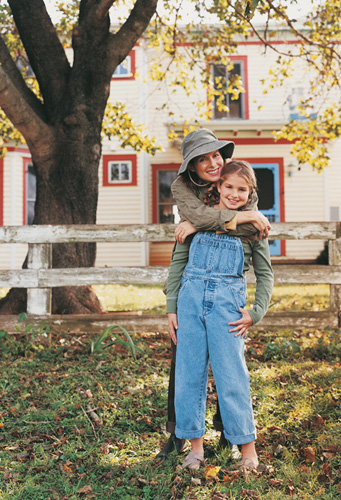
[296, 11]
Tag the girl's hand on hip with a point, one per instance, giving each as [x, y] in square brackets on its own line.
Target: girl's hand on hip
[173, 325]
[242, 324]
[183, 230]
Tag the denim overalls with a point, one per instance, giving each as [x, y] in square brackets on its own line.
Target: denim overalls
[212, 291]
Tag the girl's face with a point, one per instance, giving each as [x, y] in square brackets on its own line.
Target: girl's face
[234, 192]
[208, 166]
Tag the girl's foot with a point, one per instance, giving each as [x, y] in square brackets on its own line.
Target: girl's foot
[193, 461]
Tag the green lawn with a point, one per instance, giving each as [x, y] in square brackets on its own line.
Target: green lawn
[152, 299]
[76, 425]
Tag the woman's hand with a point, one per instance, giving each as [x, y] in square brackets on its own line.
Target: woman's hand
[257, 219]
[183, 230]
[242, 324]
[173, 325]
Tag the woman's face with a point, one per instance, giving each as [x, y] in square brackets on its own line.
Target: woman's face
[234, 192]
[208, 166]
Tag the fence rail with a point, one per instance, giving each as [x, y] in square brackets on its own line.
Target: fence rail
[39, 278]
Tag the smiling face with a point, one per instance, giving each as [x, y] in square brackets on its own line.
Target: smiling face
[234, 192]
[208, 166]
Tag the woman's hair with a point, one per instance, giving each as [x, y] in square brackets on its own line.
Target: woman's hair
[239, 167]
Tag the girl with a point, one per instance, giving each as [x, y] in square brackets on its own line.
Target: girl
[212, 296]
[203, 158]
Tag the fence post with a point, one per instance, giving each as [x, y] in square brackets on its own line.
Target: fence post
[334, 257]
[39, 299]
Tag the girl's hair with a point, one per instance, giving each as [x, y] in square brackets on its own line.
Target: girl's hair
[239, 167]
[243, 169]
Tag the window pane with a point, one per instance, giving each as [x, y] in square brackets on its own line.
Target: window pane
[123, 69]
[166, 201]
[266, 188]
[125, 172]
[219, 75]
[114, 172]
[222, 79]
[31, 183]
[30, 212]
[31, 193]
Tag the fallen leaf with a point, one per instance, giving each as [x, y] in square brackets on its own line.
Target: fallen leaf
[309, 454]
[276, 482]
[211, 472]
[220, 496]
[85, 490]
[249, 494]
[196, 481]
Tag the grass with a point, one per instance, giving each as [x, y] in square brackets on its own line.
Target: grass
[76, 425]
[152, 299]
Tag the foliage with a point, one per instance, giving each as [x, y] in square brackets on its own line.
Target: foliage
[188, 45]
[318, 36]
[73, 426]
[100, 343]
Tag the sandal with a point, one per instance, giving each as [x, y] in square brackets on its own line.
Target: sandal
[247, 464]
[193, 461]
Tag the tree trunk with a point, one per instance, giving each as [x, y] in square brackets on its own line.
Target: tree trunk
[63, 128]
[67, 193]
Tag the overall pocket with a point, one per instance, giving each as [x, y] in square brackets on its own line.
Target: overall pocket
[214, 256]
[238, 291]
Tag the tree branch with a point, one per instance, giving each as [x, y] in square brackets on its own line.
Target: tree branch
[22, 116]
[15, 76]
[122, 41]
[103, 8]
[44, 50]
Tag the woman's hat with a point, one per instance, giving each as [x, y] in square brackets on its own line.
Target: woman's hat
[201, 142]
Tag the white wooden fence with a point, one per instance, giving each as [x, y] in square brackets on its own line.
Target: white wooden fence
[39, 278]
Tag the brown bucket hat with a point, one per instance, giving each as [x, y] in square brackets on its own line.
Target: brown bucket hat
[200, 142]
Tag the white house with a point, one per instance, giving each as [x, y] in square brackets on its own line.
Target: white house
[135, 188]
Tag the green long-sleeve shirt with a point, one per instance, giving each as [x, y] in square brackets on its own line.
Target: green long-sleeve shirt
[257, 250]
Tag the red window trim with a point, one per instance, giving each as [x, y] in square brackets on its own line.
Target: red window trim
[156, 167]
[132, 55]
[1, 191]
[243, 60]
[26, 161]
[132, 158]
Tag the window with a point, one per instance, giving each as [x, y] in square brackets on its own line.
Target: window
[269, 173]
[126, 70]
[164, 206]
[30, 189]
[119, 170]
[223, 77]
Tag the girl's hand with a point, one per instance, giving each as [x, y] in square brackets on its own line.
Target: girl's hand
[183, 230]
[257, 219]
[242, 324]
[173, 325]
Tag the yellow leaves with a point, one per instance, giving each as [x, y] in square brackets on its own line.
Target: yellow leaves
[211, 472]
[118, 123]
